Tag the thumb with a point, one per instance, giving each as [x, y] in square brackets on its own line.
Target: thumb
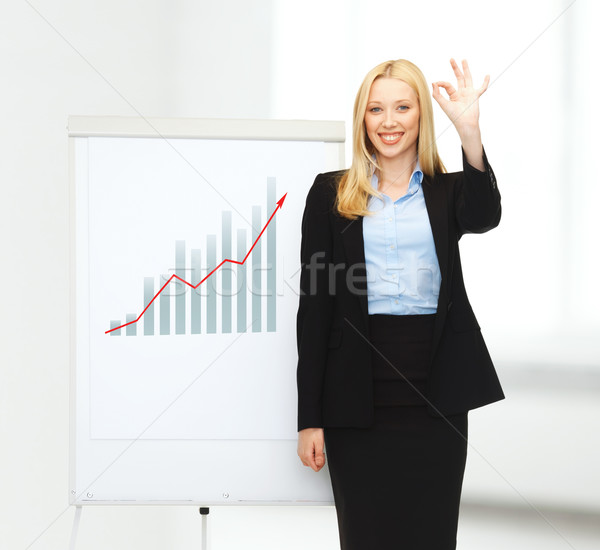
[437, 95]
[319, 455]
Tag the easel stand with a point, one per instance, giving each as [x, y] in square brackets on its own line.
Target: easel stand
[75, 527]
[204, 511]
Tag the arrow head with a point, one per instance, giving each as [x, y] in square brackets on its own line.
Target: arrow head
[280, 201]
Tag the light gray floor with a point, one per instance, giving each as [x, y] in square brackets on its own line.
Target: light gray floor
[481, 527]
[496, 528]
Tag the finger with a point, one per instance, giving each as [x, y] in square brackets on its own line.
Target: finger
[484, 86]
[459, 76]
[438, 96]
[436, 92]
[307, 455]
[450, 90]
[312, 461]
[307, 460]
[468, 78]
[303, 455]
[319, 455]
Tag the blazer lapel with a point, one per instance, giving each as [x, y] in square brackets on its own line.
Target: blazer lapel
[437, 209]
[354, 247]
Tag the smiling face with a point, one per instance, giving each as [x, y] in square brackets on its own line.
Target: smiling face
[392, 119]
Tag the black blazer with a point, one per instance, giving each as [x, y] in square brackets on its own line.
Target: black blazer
[334, 375]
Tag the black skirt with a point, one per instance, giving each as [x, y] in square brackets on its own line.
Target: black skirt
[397, 484]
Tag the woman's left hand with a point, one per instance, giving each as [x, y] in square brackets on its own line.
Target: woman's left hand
[463, 106]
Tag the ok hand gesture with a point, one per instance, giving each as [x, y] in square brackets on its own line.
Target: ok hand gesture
[463, 106]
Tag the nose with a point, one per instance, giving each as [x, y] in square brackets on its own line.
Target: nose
[389, 121]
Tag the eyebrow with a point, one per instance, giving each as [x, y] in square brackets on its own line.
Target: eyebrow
[396, 100]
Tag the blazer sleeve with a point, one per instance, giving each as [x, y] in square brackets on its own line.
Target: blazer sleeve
[477, 199]
[315, 310]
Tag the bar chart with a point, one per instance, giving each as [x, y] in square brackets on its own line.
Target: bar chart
[215, 292]
[188, 267]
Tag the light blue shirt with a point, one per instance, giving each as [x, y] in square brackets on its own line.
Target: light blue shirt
[403, 274]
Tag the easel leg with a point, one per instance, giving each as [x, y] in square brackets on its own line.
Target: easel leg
[204, 513]
[75, 528]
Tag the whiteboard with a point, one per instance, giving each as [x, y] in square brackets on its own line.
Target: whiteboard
[185, 275]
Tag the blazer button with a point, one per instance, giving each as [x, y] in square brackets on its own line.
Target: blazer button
[449, 305]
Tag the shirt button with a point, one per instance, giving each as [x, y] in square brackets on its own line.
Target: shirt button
[391, 247]
[395, 206]
[389, 219]
[396, 301]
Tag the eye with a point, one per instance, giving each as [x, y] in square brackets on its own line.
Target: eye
[374, 109]
[403, 107]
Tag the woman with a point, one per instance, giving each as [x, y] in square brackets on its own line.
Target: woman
[391, 357]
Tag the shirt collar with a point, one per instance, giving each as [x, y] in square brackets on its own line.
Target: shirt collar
[414, 183]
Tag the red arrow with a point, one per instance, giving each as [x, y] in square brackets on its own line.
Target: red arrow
[279, 205]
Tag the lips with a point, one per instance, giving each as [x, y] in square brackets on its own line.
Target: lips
[392, 138]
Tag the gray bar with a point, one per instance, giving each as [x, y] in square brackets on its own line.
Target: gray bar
[181, 287]
[196, 297]
[149, 315]
[256, 283]
[114, 324]
[226, 272]
[165, 307]
[211, 282]
[271, 257]
[196, 128]
[241, 276]
[131, 330]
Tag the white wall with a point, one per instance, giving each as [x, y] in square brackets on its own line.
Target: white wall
[532, 281]
[283, 59]
[154, 58]
[535, 120]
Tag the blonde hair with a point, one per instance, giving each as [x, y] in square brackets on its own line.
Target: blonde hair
[355, 187]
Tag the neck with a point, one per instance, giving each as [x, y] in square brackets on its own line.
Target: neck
[397, 169]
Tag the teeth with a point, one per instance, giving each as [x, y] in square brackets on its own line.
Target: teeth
[391, 138]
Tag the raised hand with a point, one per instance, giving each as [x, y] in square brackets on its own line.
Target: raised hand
[462, 107]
